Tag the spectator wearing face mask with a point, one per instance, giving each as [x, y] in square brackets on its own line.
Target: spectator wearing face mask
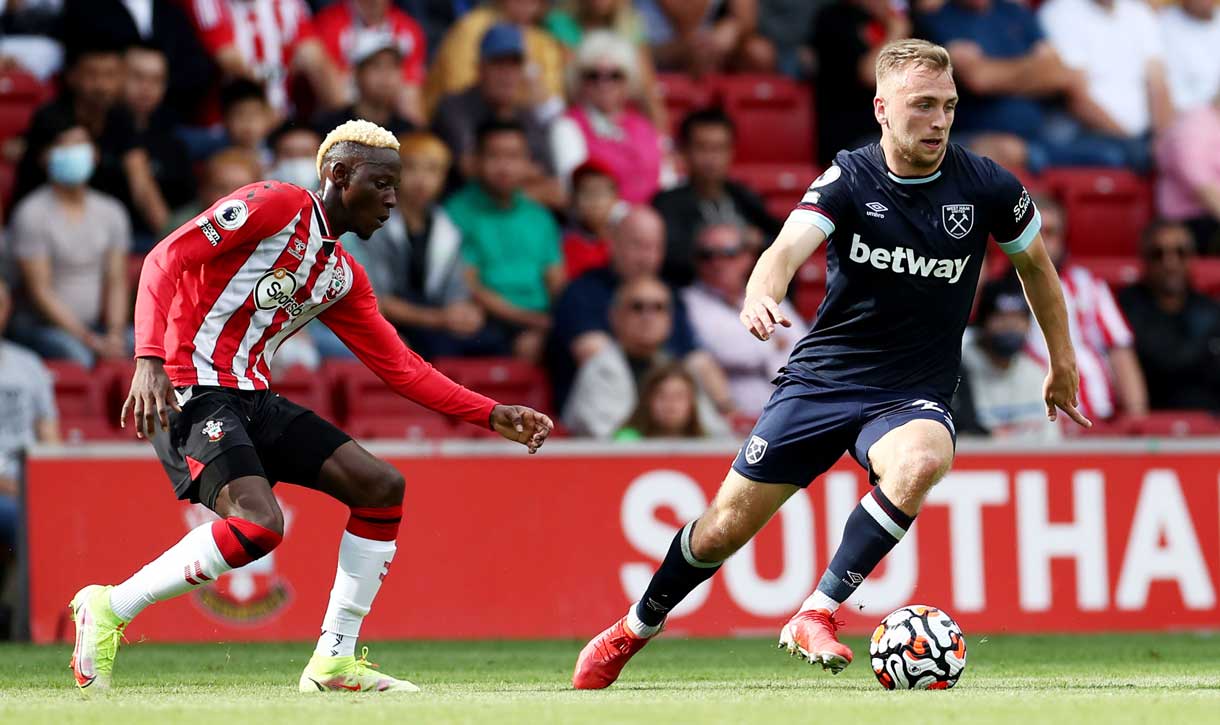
[1004, 380]
[294, 150]
[73, 271]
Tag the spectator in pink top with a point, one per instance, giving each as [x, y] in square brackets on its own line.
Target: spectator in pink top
[602, 125]
[1188, 187]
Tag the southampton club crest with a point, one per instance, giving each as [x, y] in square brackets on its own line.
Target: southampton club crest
[958, 219]
[755, 449]
[214, 430]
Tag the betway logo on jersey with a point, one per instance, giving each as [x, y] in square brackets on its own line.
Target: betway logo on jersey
[907, 261]
[276, 289]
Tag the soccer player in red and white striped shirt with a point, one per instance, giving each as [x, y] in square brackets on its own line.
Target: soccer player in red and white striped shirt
[1110, 375]
[216, 300]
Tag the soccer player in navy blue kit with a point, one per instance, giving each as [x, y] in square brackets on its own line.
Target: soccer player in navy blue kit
[907, 223]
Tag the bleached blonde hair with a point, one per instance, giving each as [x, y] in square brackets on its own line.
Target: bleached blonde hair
[600, 46]
[896, 57]
[359, 132]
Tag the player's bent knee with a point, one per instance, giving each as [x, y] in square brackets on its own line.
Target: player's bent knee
[385, 488]
[242, 541]
[924, 468]
[714, 540]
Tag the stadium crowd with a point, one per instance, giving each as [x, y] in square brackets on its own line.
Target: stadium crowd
[587, 183]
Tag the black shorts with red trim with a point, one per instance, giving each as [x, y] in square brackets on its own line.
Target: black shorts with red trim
[223, 434]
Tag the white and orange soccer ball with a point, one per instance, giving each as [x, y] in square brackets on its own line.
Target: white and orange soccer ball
[918, 648]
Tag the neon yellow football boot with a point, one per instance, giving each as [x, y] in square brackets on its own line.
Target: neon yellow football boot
[351, 674]
[98, 633]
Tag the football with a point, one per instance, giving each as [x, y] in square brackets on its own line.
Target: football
[918, 648]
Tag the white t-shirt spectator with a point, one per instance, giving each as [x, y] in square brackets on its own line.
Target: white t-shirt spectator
[1096, 326]
[1113, 46]
[1192, 57]
[750, 365]
[1008, 401]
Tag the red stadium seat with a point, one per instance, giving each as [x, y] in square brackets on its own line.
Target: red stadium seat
[773, 115]
[8, 179]
[435, 427]
[305, 387]
[1107, 209]
[505, 379]
[20, 95]
[780, 185]
[1178, 424]
[79, 392]
[1205, 272]
[360, 394]
[810, 286]
[1118, 272]
[85, 401]
[681, 95]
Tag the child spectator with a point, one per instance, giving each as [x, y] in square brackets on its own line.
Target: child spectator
[667, 407]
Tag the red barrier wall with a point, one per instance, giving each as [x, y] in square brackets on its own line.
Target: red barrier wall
[558, 545]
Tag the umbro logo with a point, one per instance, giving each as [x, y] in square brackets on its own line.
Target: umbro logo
[854, 579]
[876, 209]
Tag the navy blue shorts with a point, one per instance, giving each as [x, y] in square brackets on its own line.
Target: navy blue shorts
[805, 427]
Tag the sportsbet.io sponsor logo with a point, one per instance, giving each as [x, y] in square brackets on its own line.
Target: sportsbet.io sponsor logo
[276, 289]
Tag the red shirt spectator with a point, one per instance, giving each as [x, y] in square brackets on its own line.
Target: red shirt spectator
[339, 25]
[267, 40]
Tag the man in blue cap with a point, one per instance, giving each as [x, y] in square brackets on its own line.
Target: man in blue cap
[497, 97]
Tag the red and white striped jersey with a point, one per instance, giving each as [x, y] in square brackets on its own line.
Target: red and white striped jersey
[265, 32]
[219, 295]
[1096, 326]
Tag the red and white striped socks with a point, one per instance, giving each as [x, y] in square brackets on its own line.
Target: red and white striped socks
[365, 553]
[199, 558]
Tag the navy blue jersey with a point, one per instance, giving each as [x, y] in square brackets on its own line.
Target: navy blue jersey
[902, 263]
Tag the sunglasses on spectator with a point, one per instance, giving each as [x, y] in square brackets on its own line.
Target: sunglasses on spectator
[707, 254]
[593, 75]
[653, 306]
[1177, 250]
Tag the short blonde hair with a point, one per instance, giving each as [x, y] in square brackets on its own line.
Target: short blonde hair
[359, 132]
[897, 56]
[422, 143]
[600, 46]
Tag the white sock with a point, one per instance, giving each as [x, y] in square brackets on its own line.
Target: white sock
[637, 626]
[362, 565]
[192, 562]
[818, 600]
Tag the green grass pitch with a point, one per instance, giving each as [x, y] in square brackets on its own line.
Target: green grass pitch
[1162, 679]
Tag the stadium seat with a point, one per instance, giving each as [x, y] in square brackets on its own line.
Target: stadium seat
[780, 185]
[1118, 272]
[20, 95]
[809, 287]
[305, 387]
[774, 115]
[360, 395]
[8, 179]
[1177, 424]
[505, 379]
[84, 399]
[1107, 209]
[79, 391]
[682, 94]
[1205, 272]
[434, 427]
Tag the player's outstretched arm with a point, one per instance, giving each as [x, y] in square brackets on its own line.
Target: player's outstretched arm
[776, 267]
[521, 424]
[1045, 295]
